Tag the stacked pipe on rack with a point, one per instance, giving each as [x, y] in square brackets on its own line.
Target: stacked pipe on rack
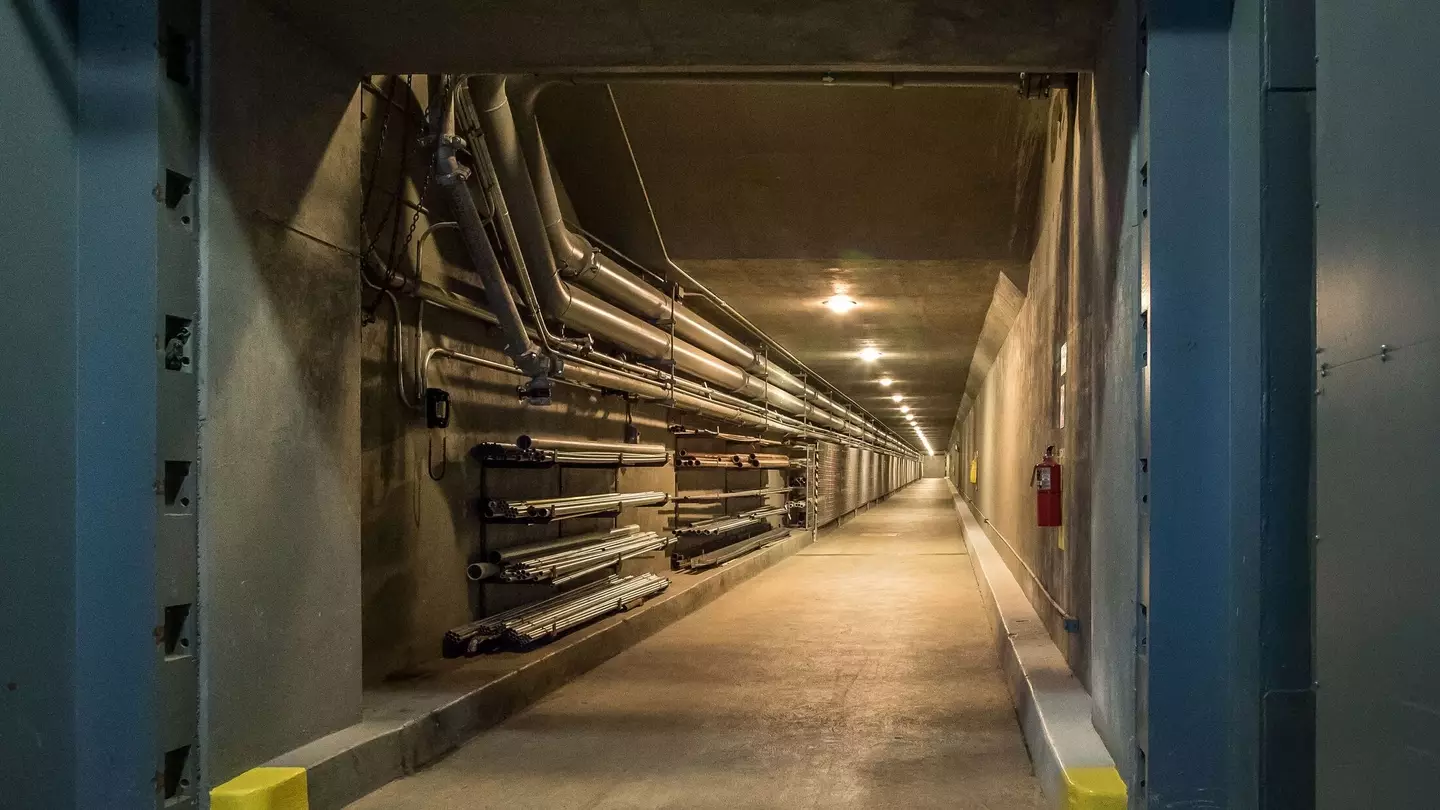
[700, 497]
[685, 458]
[567, 565]
[544, 510]
[765, 511]
[721, 525]
[539, 547]
[534, 622]
[529, 449]
[723, 555]
[681, 430]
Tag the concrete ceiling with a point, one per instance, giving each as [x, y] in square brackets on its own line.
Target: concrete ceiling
[911, 201]
[455, 36]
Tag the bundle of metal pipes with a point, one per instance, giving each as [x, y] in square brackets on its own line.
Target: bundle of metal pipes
[565, 566]
[528, 623]
[527, 550]
[570, 451]
[723, 555]
[512, 454]
[681, 430]
[547, 509]
[685, 458]
[724, 524]
[701, 497]
[623, 594]
[765, 511]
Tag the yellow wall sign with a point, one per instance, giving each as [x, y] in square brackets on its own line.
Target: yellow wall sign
[975, 469]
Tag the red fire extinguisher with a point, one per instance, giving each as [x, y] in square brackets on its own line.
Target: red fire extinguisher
[1048, 490]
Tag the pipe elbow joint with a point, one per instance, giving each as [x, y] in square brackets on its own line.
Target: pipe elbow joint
[577, 258]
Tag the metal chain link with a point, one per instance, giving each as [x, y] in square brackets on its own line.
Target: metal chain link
[375, 161]
[429, 176]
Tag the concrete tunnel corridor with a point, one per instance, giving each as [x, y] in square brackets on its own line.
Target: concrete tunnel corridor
[860, 672]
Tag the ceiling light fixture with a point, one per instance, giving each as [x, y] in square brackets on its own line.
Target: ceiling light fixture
[840, 304]
[897, 398]
[886, 382]
[870, 354]
[904, 409]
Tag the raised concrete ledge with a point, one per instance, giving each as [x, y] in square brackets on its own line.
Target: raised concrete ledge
[417, 730]
[1075, 769]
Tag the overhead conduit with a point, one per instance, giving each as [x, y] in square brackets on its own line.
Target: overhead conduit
[568, 360]
[532, 200]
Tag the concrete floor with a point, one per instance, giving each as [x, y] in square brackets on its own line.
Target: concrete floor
[858, 673]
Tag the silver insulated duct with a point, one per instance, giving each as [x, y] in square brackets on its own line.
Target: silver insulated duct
[713, 356]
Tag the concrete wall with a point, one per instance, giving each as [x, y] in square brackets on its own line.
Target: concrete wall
[1376, 616]
[37, 488]
[1084, 292]
[279, 359]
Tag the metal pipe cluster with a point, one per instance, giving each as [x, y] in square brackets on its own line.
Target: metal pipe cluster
[544, 510]
[701, 497]
[535, 549]
[567, 565]
[726, 554]
[681, 430]
[696, 346]
[725, 524]
[628, 592]
[643, 456]
[530, 623]
[685, 458]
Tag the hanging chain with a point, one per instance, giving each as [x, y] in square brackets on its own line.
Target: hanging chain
[375, 161]
[429, 175]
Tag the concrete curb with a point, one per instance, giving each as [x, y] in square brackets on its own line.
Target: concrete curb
[344, 766]
[1075, 769]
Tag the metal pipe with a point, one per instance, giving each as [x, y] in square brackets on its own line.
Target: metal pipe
[514, 175]
[705, 497]
[570, 564]
[536, 549]
[506, 228]
[573, 306]
[525, 442]
[579, 259]
[727, 553]
[530, 623]
[547, 509]
[692, 285]
[452, 176]
[587, 372]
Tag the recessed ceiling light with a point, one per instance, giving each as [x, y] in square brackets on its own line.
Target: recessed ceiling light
[870, 354]
[886, 382]
[896, 398]
[904, 409]
[840, 304]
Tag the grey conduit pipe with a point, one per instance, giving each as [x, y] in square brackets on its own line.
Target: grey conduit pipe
[643, 381]
[587, 313]
[452, 176]
[577, 258]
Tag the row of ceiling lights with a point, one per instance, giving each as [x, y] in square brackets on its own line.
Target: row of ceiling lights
[841, 304]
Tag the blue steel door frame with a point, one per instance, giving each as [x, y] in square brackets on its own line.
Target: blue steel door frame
[1228, 705]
